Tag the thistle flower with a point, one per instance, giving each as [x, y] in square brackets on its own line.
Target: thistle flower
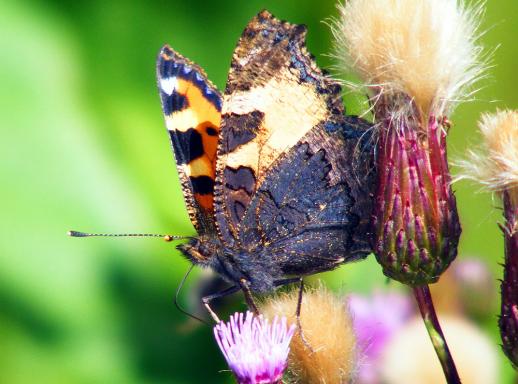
[256, 351]
[416, 59]
[420, 53]
[327, 355]
[495, 166]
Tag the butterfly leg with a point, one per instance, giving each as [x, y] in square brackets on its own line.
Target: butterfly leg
[297, 315]
[245, 286]
[207, 299]
[298, 309]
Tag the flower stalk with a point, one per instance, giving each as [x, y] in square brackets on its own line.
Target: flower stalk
[508, 321]
[426, 307]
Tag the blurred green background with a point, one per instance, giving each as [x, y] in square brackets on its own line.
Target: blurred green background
[84, 146]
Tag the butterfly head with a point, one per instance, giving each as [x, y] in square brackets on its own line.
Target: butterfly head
[200, 250]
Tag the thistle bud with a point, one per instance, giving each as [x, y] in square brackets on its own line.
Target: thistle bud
[415, 57]
[416, 221]
[495, 166]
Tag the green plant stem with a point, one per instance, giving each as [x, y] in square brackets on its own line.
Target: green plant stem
[424, 300]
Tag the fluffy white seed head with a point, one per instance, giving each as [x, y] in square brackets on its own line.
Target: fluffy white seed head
[426, 50]
[495, 164]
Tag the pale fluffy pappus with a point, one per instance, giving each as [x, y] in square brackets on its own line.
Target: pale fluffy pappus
[425, 50]
[495, 163]
[327, 328]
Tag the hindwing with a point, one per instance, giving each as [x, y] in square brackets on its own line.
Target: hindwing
[312, 211]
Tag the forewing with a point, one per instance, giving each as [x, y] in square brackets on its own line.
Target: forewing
[192, 110]
[275, 95]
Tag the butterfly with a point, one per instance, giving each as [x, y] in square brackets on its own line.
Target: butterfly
[277, 180]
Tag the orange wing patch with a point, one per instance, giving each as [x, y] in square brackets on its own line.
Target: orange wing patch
[191, 105]
[202, 116]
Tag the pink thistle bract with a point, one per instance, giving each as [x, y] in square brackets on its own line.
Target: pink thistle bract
[255, 349]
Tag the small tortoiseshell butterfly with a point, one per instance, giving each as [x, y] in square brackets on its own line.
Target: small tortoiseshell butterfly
[277, 180]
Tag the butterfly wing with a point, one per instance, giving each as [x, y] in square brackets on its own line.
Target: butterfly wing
[312, 211]
[192, 110]
[275, 96]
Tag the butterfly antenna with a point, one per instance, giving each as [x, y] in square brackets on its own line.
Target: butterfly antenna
[165, 237]
[177, 304]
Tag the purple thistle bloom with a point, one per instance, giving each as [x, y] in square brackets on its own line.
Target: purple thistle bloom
[255, 350]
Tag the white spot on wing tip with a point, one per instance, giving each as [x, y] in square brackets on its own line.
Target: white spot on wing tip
[168, 85]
